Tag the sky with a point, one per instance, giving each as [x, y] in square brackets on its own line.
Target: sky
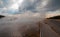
[30, 7]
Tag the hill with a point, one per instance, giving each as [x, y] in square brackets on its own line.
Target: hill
[1, 16]
[54, 17]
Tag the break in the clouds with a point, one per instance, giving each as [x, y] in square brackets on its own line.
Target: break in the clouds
[22, 6]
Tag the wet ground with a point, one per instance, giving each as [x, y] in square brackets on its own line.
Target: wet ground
[50, 28]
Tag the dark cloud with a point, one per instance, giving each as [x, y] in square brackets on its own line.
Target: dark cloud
[53, 5]
[29, 5]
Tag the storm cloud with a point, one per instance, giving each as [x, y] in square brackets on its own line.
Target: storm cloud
[53, 5]
[34, 6]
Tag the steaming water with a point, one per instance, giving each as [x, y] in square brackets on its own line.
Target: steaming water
[22, 15]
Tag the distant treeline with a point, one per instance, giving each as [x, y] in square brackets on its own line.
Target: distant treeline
[1, 16]
[55, 17]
